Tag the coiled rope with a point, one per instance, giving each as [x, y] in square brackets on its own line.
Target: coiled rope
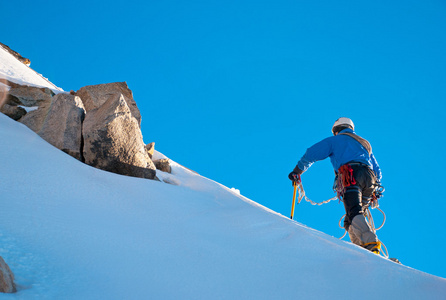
[367, 214]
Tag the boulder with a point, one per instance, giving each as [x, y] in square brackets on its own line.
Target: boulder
[29, 95]
[62, 127]
[94, 96]
[163, 165]
[6, 278]
[13, 111]
[113, 140]
[35, 119]
[39, 99]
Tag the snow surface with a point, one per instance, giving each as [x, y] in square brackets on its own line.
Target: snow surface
[15, 71]
[70, 231]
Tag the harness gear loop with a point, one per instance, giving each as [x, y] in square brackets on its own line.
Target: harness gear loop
[347, 175]
[344, 179]
[377, 194]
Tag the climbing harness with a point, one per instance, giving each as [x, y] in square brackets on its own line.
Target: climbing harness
[344, 179]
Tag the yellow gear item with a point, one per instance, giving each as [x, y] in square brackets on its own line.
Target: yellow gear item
[294, 199]
[376, 248]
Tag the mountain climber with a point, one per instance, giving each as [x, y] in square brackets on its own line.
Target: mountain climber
[354, 162]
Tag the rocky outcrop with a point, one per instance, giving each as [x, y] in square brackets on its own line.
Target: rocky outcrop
[94, 96]
[113, 140]
[63, 125]
[6, 278]
[99, 124]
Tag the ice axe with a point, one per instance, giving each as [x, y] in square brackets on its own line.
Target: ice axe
[294, 199]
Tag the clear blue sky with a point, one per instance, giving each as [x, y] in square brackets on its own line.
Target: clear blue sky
[237, 90]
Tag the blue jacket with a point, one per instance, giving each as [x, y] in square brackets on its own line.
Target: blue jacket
[341, 149]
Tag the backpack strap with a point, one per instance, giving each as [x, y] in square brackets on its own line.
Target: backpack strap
[360, 140]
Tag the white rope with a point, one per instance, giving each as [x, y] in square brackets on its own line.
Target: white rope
[345, 233]
[369, 216]
[302, 195]
[385, 252]
[340, 226]
[384, 220]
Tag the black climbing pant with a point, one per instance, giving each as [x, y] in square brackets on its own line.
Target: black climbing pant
[359, 195]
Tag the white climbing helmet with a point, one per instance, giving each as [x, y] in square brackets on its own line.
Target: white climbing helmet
[343, 122]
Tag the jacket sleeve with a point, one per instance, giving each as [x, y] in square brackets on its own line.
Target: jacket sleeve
[318, 151]
[376, 167]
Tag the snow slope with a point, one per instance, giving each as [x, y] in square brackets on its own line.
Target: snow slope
[70, 231]
[15, 71]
